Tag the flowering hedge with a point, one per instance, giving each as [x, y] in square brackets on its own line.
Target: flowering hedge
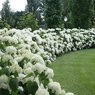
[23, 59]
[53, 42]
[24, 56]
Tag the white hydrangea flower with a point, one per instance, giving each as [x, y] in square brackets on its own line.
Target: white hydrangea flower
[12, 76]
[13, 40]
[6, 58]
[1, 53]
[28, 79]
[4, 86]
[24, 46]
[4, 82]
[11, 50]
[21, 76]
[34, 44]
[3, 78]
[69, 93]
[23, 50]
[58, 29]
[38, 39]
[51, 30]
[27, 55]
[55, 87]
[48, 61]
[15, 68]
[28, 65]
[49, 72]
[20, 88]
[27, 70]
[37, 58]
[37, 80]
[39, 67]
[19, 58]
[63, 92]
[1, 38]
[0, 68]
[6, 38]
[41, 91]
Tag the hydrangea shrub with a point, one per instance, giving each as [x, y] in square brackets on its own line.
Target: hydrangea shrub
[23, 62]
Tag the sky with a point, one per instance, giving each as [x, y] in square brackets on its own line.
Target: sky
[16, 5]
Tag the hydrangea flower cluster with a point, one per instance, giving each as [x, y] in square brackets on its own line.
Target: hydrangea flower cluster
[23, 62]
[53, 42]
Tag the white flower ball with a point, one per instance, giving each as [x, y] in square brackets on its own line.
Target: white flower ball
[49, 72]
[20, 88]
[11, 50]
[69, 93]
[55, 87]
[39, 67]
[42, 91]
[63, 92]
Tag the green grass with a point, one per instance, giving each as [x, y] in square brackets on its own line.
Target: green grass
[76, 72]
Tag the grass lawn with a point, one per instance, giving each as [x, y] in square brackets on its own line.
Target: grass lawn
[76, 72]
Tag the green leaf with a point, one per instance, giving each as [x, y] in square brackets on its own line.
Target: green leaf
[4, 71]
[50, 92]
[1, 72]
[21, 63]
[32, 87]
[13, 83]
[15, 73]
[45, 82]
[4, 92]
[15, 93]
[42, 76]
[29, 75]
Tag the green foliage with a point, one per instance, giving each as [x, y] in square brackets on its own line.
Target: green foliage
[37, 8]
[32, 5]
[28, 21]
[4, 92]
[1, 24]
[67, 13]
[6, 12]
[32, 87]
[4, 24]
[53, 13]
[15, 18]
[82, 12]
[50, 92]
[13, 83]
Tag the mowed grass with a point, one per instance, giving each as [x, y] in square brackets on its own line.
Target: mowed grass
[76, 71]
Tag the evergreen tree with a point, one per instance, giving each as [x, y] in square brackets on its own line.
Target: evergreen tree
[32, 5]
[27, 21]
[6, 12]
[37, 8]
[53, 13]
[16, 17]
[66, 13]
[82, 13]
[3, 25]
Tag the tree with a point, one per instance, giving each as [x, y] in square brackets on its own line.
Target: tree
[16, 17]
[6, 12]
[37, 8]
[27, 21]
[82, 11]
[32, 5]
[66, 13]
[53, 13]
[3, 25]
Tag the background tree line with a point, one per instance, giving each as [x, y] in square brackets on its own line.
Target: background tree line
[50, 14]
